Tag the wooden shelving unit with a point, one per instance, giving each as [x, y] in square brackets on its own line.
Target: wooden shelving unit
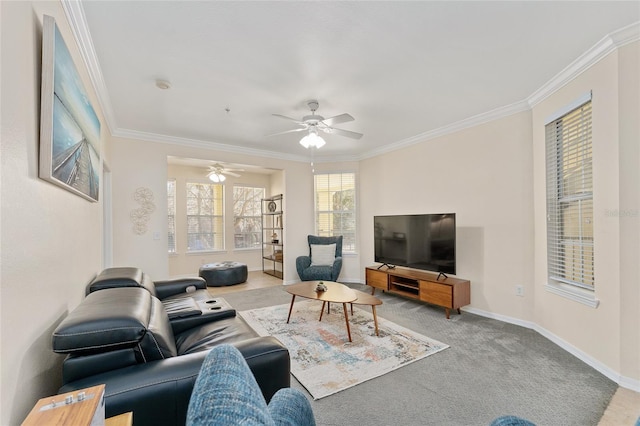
[272, 236]
[403, 286]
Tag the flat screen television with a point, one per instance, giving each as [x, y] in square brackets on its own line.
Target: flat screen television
[421, 241]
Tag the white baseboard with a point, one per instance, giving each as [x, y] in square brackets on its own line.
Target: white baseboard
[625, 382]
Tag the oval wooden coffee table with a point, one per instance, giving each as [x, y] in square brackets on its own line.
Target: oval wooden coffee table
[336, 292]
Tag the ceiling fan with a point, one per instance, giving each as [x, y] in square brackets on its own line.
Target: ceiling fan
[217, 172]
[312, 123]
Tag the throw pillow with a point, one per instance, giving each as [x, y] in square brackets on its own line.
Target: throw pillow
[323, 254]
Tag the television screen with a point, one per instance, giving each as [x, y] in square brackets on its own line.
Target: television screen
[421, 241]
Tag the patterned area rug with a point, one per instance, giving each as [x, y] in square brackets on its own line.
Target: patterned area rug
[322, 358]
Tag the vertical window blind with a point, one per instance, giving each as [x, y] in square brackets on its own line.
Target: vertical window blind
[570, 255]
[171, 214]
[335, 195]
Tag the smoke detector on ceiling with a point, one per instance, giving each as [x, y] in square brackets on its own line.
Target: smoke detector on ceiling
[163, 84]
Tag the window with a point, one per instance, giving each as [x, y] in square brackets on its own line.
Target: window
[205, 217]
[570, 259]
[335, 195]
[247, 226]
[171, 214]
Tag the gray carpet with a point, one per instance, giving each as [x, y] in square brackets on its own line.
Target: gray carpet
[491, 369]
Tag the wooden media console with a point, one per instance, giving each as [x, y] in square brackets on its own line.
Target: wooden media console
[450, 293]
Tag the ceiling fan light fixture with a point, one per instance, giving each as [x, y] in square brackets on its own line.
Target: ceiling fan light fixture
[216, 177]
[313, 122]
[312, 140]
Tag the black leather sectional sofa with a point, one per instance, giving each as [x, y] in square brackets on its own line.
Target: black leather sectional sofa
[146, 342]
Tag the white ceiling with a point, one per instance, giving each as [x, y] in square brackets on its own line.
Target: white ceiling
[403, 70]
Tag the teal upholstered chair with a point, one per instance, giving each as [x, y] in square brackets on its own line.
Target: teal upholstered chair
[323, 262]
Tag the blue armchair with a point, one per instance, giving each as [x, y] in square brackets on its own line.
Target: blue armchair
[322, 263]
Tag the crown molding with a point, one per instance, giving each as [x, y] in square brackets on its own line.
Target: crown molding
[600, 50]
[78, 23]
[626, 35]
[597, 52]
[466, 123]
[201, 144]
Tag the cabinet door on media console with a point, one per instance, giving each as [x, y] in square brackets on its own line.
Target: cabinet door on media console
[377, 279]
[437, 294]
[451, 294]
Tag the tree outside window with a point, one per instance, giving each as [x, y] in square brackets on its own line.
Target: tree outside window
[247, 226]
[205, 217]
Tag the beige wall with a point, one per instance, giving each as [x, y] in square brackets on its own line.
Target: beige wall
[351, 270]
[609, 333]
[491, 176]
[138, 163]
[629, 157]
[183, 263]
[582, 326]
[51, 239]
[482, 174]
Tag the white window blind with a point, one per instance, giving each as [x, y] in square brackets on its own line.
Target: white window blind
[205, 217]
[335, 195]
[171, 214]
[570, 255]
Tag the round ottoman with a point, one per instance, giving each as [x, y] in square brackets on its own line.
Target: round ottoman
[223, 273]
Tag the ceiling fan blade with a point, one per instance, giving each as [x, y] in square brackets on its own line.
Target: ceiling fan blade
[225, 172]
[342, 118]
[286, 131]
[341, 132]
[302, 123]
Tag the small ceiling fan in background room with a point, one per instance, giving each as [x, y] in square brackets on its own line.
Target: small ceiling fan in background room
[216, 172]
[312, 123]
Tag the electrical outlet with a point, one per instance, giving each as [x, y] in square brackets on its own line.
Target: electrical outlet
[519, 290]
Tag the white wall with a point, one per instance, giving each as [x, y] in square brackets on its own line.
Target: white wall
[51, 239]
[482, 174]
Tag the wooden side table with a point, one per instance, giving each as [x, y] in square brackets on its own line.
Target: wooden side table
[124, 419]
[81, 407]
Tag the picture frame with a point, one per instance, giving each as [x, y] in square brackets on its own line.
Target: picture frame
[69, 127]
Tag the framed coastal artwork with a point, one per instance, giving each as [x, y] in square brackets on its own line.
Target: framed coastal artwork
[69, 126]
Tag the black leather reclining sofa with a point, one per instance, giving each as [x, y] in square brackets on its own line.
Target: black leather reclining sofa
[146, 342]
